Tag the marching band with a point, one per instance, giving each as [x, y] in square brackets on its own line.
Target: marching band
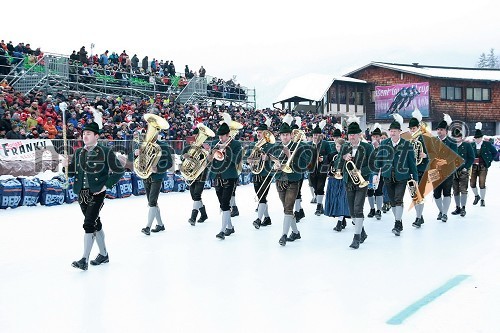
[356, 171]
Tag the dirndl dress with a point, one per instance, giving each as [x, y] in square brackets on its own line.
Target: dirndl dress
[336, 198]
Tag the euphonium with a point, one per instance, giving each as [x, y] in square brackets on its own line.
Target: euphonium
[355, 175]
[150, 151]
[196, 161]
[255, 159]
[414, 191]
[220, 153]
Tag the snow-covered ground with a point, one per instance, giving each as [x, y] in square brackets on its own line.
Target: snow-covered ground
[444, 277]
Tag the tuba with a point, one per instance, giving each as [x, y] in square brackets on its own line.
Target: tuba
[255, 159]
[220, 153]
[150, 151]
[355, 175]
[414, 191]
[196, 162]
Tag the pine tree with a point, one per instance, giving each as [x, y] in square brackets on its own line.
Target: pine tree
[482, 61]
[492, 61]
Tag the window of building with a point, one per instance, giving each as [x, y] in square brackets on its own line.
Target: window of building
[478, 94]
[451, 93]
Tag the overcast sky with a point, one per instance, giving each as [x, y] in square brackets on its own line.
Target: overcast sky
[264, 43]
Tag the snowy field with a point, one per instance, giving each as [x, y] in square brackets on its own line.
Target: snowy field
[444, 277]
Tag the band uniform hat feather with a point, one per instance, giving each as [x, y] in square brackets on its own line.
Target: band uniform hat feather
[445, 122]
[416, 118]
[478, 134]
[318, 129]
[353, 125]
[397, 123]
[297, 123]
[337, 133]
[376, 129]
[285, 126]
[265, 125]
[224, 127]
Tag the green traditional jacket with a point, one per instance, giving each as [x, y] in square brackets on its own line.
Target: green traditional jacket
[487, 152]
[100, 165]
[228, 167]
[362, 160]
[266, 148]
[398, 161]
[299, 164]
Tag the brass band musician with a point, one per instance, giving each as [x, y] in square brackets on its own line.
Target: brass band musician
[225, 157]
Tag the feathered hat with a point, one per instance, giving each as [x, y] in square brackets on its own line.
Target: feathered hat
[416, 118]
[297, 123]
[376, 129]
[337, 133]
[318, 129]
[445, 122]
[265, 125]
[479, 133]
[353, 125]
[224, 127]
[96, 125]
[397, 123]
[286, 124]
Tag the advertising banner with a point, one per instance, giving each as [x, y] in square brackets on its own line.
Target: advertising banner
[402, 99]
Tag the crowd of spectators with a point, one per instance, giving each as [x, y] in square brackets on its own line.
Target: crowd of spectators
[16, 56]
[37, 115]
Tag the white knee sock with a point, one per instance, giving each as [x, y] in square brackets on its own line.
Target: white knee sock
[371, 201]
[99, 238]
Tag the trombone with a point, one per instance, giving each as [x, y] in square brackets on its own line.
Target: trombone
[297, 137]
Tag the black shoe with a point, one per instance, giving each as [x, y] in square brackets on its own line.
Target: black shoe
[338, 227]
[398, 227]
[440, 216]
[234, 211]
[100, 260]
[417, 223]
[282, 240]
[344, 223]
[313, 200]
[203, 216]
[192, 219]
[378, 214]
[82, 264]
[146, 231]
[363, 236]
[158, 228]
[257, 223]
[482, 203]
[456, 211]
[266, 221]
[372, 212]
[444, 218]
[319, 210]
[299, 215]
[476, 199]
[220, 235]
[421, 220]
[462, 212]
[228, 232]
[293, 236]
[355, 241]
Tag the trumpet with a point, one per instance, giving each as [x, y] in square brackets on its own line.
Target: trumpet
[414, 191]
[355, 175]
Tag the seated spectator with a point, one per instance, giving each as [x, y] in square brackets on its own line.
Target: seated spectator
[50, 128]
[14, 133]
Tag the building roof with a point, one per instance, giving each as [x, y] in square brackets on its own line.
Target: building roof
[310, 87]
[454, 73]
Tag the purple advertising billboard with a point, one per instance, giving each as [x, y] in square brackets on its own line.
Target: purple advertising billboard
[402, 99]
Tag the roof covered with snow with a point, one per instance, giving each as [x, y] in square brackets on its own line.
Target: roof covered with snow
[455, 73]
[310, 87]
